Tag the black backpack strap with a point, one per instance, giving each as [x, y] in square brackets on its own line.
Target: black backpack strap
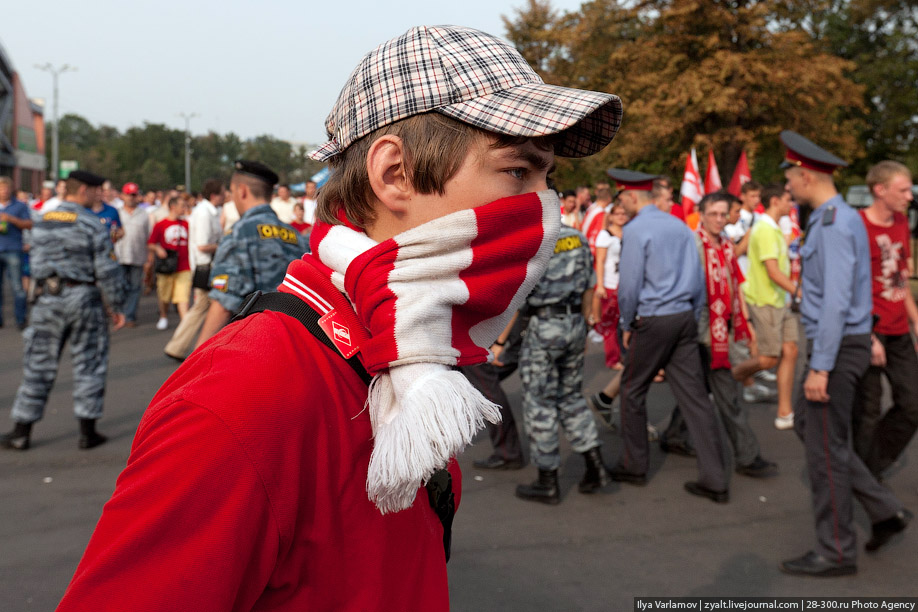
[439, 487]
[293, 306]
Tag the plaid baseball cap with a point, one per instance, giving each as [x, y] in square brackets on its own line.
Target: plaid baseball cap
[472, 77]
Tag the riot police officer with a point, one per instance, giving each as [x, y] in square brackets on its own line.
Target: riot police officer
[255, 255]
[551, 369]
[836, 314]
[73, 266]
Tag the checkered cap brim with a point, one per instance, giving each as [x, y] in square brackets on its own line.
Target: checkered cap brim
[472, 77]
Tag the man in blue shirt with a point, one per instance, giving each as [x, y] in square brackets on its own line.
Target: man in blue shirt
[836, 313]
[660, 295]
[108, 216]
[14, 217]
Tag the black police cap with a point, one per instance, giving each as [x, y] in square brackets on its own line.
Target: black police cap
[93, 180]
[258, 170]
[802, 152]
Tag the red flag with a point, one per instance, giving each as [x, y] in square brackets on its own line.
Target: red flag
[740, 176]
[712, 176]
[691, 184]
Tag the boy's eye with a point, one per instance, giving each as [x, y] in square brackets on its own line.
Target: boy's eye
[517, 173]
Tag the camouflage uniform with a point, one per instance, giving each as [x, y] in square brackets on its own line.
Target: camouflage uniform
[254, 256]
[551, 359]
[71, 244]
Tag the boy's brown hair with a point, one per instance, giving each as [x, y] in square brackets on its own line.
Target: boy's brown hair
[434, 146]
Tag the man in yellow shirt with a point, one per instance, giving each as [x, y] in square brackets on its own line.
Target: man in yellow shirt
[766, 289]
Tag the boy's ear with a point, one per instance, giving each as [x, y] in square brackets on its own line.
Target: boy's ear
[386, 169]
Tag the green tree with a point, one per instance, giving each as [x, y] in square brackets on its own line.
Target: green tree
[276, 154]
[154, 175]
[704, 74]
[880, 38]
[153, 154]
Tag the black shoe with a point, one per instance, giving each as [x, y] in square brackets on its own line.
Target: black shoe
[597, 475]
[89, 437]
[496, 462]
[618, 474]
[179, 359]
[882, 532]
[91, 441]
[696, 488]
[603, 410]
[759, 468]
[677, 448]
[544, 490]
[17, 439]
[812, 564]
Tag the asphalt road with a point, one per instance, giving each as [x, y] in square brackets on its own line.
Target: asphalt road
[588, 553]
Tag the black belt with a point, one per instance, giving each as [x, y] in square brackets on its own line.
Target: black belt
[556, 310]
[70, 282]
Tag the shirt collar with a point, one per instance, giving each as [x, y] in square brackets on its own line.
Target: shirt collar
[769, 221]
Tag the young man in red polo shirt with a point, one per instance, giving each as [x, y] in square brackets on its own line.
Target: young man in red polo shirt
[880, 438]
[265, 475]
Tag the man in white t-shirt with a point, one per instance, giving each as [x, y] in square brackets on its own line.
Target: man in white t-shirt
[309, 203]
[283, 204]
[594, 219]
[750, 197]
[204, 232]
[55, 201]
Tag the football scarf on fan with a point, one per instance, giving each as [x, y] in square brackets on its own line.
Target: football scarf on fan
[721, 276]
[434, 297]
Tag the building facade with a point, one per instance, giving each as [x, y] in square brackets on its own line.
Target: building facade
[22, 131]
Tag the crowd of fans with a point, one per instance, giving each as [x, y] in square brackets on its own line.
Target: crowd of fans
[156, 239]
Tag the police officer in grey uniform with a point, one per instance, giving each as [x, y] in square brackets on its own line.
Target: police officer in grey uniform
[73, 266]
[836, 313]
[255, 255]
[551, 369]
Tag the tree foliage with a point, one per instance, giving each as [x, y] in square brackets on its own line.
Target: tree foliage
[153, 155]
[881, 38]
[729, 75]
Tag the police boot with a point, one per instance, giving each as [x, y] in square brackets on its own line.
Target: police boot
[89, 437]
[597, 476]
[544, 490]
[18, 438]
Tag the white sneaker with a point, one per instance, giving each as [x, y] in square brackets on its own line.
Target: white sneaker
[594, 336]
[766, 376]
[162, 324]
[785, 422]
[756, 392]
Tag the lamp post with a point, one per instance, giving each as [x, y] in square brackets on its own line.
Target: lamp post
[55, 158]
[187, 117]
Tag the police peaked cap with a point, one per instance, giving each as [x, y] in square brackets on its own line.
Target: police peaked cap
[93, 180]
[629, 179]
[803, 153]
[257, 170]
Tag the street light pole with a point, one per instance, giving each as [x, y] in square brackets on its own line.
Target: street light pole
[187, 117]
[55, 134]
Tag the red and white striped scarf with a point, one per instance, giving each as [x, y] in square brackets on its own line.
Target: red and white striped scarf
[433, 297]
[722, 277]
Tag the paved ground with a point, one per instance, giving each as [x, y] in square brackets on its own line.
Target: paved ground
[589, 553]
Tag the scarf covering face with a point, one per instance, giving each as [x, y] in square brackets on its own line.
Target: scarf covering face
[433, 297]
[722, 277]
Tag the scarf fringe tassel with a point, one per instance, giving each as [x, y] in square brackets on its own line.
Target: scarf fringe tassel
[438, 414]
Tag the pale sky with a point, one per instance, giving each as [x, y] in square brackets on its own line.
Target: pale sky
[273, 67]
